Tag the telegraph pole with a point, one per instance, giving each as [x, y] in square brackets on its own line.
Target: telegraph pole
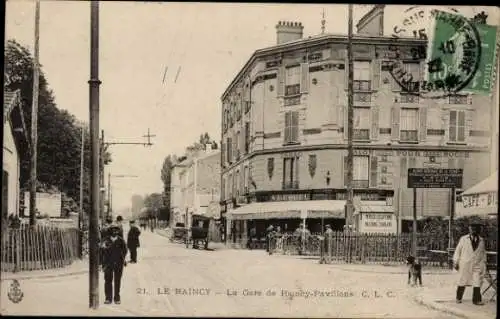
[94, 83]
[101, 178]
[109, 193]
[34, 116]
[349, 208]
[80, 215]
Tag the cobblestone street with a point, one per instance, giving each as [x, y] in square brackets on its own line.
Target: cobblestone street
[171, 280]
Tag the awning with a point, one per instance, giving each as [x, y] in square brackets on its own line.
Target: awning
[488, 185]
[289, 209]
[480, 200]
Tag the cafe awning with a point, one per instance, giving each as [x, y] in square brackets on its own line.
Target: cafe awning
[488, 185]
[480, 200]
[289, 209]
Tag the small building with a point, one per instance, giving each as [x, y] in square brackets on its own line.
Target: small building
[15, 146]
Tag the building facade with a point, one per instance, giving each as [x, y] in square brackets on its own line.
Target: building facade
[15, 145]
[284, 133]
[195, 185]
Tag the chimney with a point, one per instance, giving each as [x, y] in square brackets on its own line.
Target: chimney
[288, 31]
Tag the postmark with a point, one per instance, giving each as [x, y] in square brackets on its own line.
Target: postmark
[447, 59]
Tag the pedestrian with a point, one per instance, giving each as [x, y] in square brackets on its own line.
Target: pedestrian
[269, 231]
[469, 260]
[133, 241]
[119, 222]
[114, 252]
[253, 234]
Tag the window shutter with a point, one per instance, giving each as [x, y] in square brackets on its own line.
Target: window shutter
[373, 171]
[229, 149]
[422, 71]
[345, 170]
[242, 142]
[287, 127]
[345, 122]
[296, 171]
[468, 123]
[304, 77]
[375, 74]
[396, 114]
[295, 127]
[346, 73]
[374, 120]
[222, 150]
[281, 81]
[423, 123]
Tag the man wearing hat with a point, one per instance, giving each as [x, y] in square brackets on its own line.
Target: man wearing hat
[114, 251]
[119, 221]
[469, 260]
[133, 241]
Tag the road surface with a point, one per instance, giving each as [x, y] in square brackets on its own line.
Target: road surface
[170, 280]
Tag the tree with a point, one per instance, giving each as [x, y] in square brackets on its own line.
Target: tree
[202, 143]
[59, 132]
[153, 201]
[166, 173]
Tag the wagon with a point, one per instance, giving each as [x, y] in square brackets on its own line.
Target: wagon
[179, 233]
[198, 233]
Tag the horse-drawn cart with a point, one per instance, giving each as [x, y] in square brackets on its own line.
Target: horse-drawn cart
[179, 233]
[198, 233]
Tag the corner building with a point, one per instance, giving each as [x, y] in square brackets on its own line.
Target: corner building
[284, 134]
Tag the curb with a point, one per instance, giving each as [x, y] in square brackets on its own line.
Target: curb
[445, 309]
[43, 276]
[389, 272]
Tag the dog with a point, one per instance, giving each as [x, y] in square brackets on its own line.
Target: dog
[414, 271]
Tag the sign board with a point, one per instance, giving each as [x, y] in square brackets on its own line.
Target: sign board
[46, 204]
[482, 204]
[379, 223]
[434, 178]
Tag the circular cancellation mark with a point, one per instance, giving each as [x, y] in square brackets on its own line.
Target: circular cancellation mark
[452, 55]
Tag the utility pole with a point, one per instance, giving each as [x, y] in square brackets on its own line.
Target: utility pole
[80, 215]
[101, 179]
[34, 117]
[349, 208]
[109, 194]
[94, 83]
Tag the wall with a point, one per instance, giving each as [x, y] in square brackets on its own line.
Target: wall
[11, 165]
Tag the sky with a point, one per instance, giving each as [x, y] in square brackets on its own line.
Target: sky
[207, 42]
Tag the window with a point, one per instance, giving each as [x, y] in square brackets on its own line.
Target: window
[409, 125]
[245, 180]
[457, 126]
[291, 127]
[237, 146]
[293, 76]
[5, 195]
[223, 188]
[360, 171]
[411, 75]
[247, 137]
[229, 193]
[362, 76]
[290, 173]
[237, 184]
[361, 123]
[229, 146]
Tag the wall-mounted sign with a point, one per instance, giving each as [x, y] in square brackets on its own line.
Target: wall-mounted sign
[435, 178]
[448, 154]
[381, 223]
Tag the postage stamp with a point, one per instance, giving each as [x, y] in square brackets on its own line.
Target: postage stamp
[451, 49]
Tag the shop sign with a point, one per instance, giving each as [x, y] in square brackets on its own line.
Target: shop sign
[447, 154]
[484, 200]
[377, 223]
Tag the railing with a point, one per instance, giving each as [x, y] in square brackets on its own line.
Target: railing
[38, 248]
[290, 184]
[409, 136]
[366, 248]
[361, 134]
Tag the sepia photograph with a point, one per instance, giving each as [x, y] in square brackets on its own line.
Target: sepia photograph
[218, 159]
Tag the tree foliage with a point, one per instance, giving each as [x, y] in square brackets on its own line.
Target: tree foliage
[59, 132]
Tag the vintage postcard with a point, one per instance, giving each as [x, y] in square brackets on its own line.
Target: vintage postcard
[168, 159]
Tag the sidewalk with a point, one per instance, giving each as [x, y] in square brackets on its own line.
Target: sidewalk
[76, 268]
[443, 299]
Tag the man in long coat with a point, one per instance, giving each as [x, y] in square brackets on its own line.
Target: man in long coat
[469, 260]
[133, 241]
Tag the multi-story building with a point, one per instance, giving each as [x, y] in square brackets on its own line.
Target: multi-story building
[195, 185]
[15, 144]
[284, 132]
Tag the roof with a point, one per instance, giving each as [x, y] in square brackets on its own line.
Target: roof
[313, 41]
[9, 102]
[487, 185]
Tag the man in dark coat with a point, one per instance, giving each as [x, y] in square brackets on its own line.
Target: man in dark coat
[114, 251]
[119, 221]
[133, 241]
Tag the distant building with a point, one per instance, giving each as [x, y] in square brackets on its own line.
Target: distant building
[195, 185]
[284, 133]
[15, 146]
